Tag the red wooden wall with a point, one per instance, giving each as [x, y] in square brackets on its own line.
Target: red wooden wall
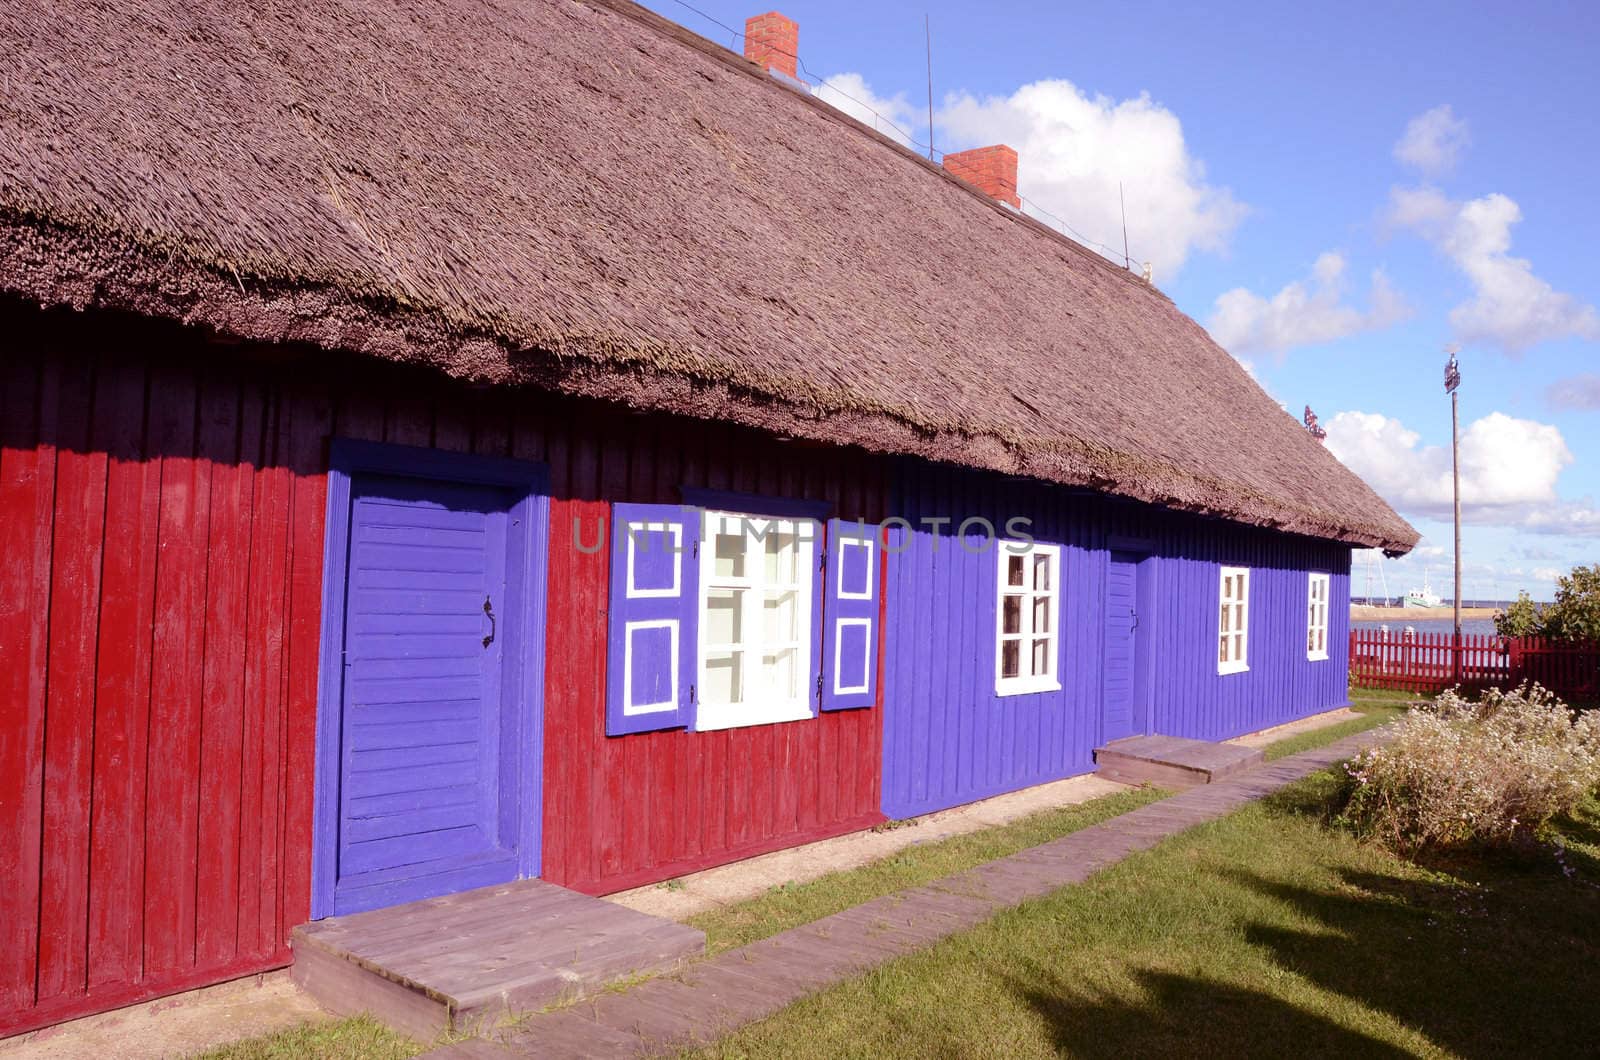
[622, 811]
[161, 535]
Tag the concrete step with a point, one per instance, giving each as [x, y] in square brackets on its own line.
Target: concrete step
[1171, 761]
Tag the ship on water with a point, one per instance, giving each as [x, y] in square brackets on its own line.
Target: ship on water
[1424, 598]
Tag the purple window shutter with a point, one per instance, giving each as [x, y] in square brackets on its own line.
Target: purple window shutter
[653, 622]
[850, 616]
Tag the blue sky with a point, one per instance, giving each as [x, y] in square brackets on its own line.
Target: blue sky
[1337, 194]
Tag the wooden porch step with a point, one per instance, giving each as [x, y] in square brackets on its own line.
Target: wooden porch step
[1171, 761]
[464, 962]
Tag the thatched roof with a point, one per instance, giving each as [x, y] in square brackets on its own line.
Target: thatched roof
[582, 196]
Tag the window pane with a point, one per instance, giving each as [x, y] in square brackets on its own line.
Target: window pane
[729, 550]
[1014, 570]
[778, 673]
[779, 616]
[723, 678]
[1322, 643]
[1010, 658]
[1041, 657]
[1222, 650]
[1011, 611]
[1238, 646]
[1041, 572]
[1227, 587]
[1041, 614]
[780, 549]
[1225, 618]
[724, 617]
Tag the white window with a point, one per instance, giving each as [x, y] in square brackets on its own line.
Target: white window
[756, 584]
[1025, 619]
[1233, 629]
[1317, 617]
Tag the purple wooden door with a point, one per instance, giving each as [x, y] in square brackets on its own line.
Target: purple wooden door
[1121, 653]
[428, 786]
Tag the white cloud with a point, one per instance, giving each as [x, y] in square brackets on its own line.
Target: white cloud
[1511, 307]
[1509, 470]
[1302, 313]
[1433, 141]
[1546, 574]
[1074, 150]
[1576, 393]
[893, 116]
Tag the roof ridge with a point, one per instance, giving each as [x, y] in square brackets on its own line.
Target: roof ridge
[682, 34]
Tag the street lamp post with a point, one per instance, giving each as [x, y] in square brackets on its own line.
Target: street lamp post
[1452, 382]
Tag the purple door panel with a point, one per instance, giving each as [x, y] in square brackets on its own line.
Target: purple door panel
[422, 762]
[1121, 647]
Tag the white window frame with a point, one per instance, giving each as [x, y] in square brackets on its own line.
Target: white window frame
[760, 710]
[1026, 682]
[1233, 642]
[1317, 615]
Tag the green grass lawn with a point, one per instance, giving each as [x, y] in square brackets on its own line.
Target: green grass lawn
[1266, 932]
[361, 1038]
[793, 904]
[1376, 708]
[800, 903]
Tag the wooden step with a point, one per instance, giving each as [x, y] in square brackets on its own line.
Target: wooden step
[466, 961]
[1171, 761]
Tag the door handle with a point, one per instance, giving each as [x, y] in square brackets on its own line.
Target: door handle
[488, 609]
[1135, 616]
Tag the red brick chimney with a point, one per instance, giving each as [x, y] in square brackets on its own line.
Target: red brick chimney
[992, 170]
[774, 42]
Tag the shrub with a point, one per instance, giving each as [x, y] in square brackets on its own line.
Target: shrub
[1574, 615]
[1461, 772]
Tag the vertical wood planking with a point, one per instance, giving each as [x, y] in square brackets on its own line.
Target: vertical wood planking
[27, 493]
[122, 694]
[173, 758]
[622, 811]
[949, 739]
[79, 516]
[310, 426]
[224, 420]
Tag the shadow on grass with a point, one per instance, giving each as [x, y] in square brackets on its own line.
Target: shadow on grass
[1484, 954]
[1191, 1016]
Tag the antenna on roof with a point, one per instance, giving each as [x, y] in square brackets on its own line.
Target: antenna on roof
[1124, 200]
[927, 33]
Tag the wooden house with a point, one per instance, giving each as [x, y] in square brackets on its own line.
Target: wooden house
[454, 443]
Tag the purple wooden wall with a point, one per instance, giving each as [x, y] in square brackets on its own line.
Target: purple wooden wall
[948, 739]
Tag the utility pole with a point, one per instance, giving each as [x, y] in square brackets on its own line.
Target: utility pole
[1452, 382]
[927, 35]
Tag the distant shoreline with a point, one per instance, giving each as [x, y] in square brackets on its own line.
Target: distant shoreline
[1364, 613]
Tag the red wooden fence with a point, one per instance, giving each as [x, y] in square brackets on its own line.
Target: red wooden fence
[1432, 662]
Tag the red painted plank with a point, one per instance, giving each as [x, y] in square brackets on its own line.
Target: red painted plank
[225, 418]
[310, 423]
[261, 758]
[69, 709]
[27, 487]
[171, 830]
[122, 696]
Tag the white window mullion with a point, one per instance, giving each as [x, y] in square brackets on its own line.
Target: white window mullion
[762, 693]
[1041, 563]
[1317, 622]
[1233, 622]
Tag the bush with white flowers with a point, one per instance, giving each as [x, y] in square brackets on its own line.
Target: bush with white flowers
[1461, 772]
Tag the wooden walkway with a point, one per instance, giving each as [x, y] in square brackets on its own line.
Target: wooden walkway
[464, 962]
[713, 997]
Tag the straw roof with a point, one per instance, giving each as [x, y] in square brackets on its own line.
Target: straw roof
[584, 197]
